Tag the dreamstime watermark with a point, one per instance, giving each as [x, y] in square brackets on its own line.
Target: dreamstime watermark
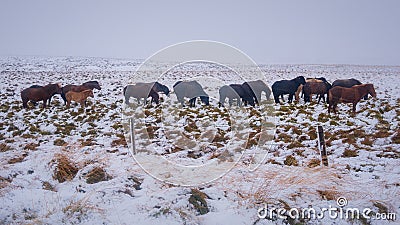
[340, 211]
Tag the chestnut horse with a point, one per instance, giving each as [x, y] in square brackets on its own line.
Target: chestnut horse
[349, 95]
[79, 97]
[36, 94]
[78, 88]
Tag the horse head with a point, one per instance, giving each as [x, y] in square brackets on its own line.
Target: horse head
[92, 84]
[57, 88]
[205, 100]
[371, 90]
[161, 88]
[300, 80]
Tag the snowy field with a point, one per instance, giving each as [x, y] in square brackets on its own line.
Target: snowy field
[68, 165]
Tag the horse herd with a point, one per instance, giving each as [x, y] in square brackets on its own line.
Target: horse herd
[78, 93]
[247, 93]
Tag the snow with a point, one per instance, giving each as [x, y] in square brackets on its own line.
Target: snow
[371, 176]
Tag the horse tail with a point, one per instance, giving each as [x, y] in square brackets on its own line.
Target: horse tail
[124, 91]
[24, 97]
[63, 95]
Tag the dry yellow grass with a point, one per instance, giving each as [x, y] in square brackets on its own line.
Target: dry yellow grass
[65, 170]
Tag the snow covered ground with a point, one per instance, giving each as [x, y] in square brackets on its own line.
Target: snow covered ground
[62, 165]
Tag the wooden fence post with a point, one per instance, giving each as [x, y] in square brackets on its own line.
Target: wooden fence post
[322, 146]
[132, 134]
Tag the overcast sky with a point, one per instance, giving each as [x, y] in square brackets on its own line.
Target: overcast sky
[298, 31]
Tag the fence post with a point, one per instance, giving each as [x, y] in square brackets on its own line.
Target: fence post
[132, 134]
[322, 146]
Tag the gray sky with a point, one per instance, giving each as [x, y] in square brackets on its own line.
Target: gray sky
[307, 31]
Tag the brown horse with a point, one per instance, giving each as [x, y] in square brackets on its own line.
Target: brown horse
[39, 94]
[79, 97]
[349, 95]
[320, 88]
[78, 88]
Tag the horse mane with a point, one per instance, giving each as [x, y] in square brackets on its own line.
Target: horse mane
[178, 82]
[92, 82]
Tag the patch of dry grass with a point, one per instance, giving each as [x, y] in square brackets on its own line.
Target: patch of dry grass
[59, 142]
[96, 175]
[350, 153]
[314, 163]
[4, 147]
[31, 146]
[18, 159]
[290, 161]
[198, 200]
[64, 170]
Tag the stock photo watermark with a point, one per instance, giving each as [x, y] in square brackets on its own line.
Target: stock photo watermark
[338, 211]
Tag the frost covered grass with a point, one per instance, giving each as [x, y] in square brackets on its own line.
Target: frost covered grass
[72, 165]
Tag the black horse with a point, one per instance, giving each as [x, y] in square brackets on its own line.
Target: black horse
[290, 87]
[238, 92]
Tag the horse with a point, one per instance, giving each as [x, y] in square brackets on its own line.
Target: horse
[287, 87]
[348, 83]
[141, 91]
[320, 88]
[256, 88]
[300, 88]
[235, 91]
[191, 90]
[349, 95]
[157, 87]
[39, 86]
[79, 97]
[78, 88]
[36, 94]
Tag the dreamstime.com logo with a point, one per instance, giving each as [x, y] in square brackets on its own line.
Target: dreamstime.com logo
[333, 212]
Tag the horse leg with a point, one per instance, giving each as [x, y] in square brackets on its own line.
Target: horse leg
[49, 100]
[191, 102]
[63, 97]
[44, 103]
[290, 98]
[276, 98]
[221, 101]
[354, 107]
[25, 104]
[258, 99]
[230, 102]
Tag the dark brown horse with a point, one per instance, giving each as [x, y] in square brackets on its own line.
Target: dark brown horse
[39, 94]
[39, 86]
[78, 88]
[320, 88]
[349, 95]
